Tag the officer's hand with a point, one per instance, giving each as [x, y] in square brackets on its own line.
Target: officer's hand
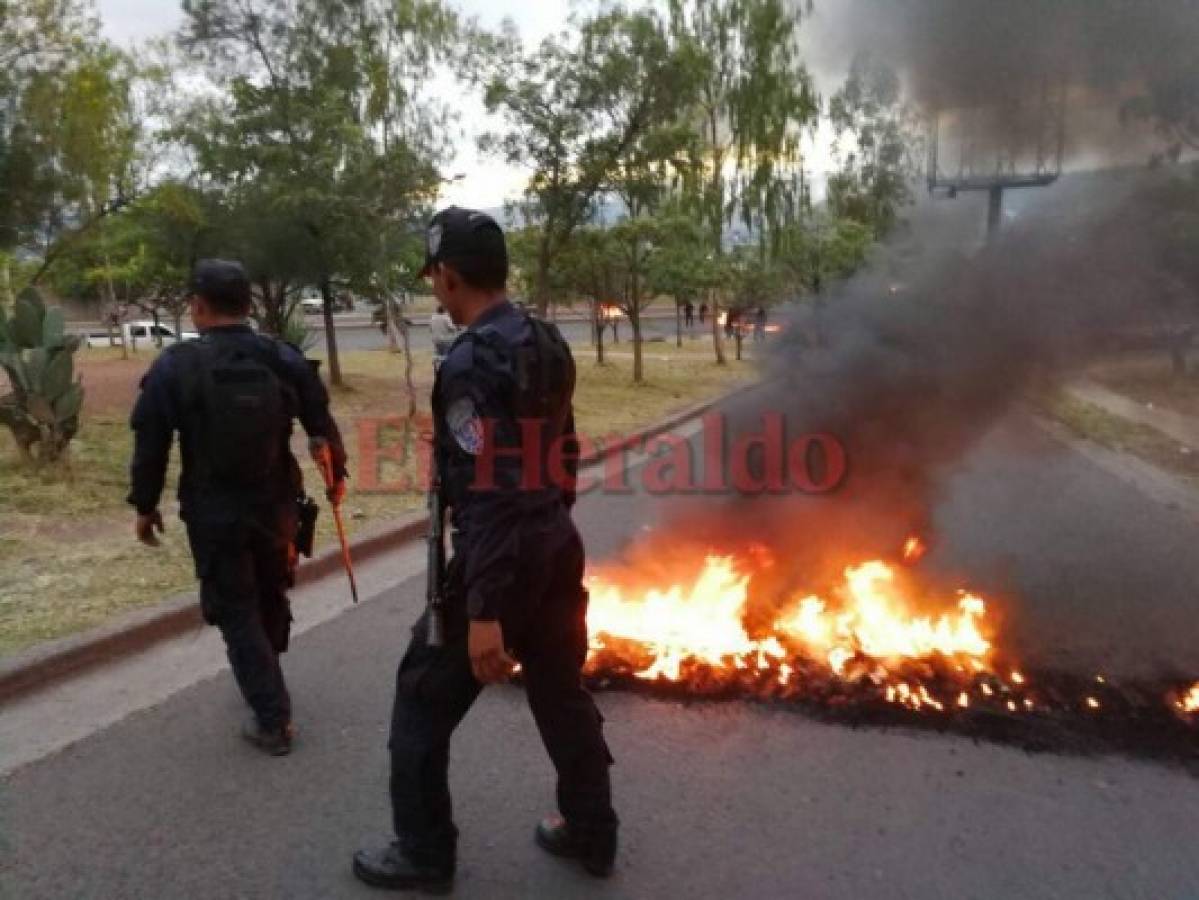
[488, 659]
[336, 492]
[146, 527]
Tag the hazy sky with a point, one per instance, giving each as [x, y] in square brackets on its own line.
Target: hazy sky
[488, 182]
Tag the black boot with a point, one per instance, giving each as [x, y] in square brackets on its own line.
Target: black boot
[595, 848]
[390, 868]
[273, 741]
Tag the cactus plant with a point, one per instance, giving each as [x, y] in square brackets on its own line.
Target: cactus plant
[42, 409]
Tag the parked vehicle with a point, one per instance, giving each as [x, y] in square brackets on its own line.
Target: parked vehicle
[313, 305]
[144, 332]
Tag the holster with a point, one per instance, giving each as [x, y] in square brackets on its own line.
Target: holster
[308, 511]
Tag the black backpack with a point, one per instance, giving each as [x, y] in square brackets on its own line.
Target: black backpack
[241, 410]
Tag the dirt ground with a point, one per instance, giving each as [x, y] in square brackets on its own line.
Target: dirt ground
[1148, 378]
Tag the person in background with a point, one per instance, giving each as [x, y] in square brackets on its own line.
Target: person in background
[443, 333]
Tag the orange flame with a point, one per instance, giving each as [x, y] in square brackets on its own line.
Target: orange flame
[1189, 702]
[701, 620]
[914, 549]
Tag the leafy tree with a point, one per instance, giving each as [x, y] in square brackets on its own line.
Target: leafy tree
[141, 257]
[1175, 223]
[575, 109]
[39, 41]
[324, 127]
[876, 170]
[590, 266]
[1156, 41]
[684, 268]
[822, 249]
[755, 99]
[69, 133]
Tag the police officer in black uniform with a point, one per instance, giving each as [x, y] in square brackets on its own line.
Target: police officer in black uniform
[232, 397]
[514, 590]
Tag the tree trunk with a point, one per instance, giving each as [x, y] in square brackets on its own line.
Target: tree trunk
[635, 325]
[1179, 345]
[543, 276]
[330, 333]
[157, 327]
[634, 313]
[678, 324]
[717, 328]
[409, 386]
[112, 301]
[389, 324]
[600, 325]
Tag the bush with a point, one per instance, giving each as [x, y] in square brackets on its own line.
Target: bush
[42, 409]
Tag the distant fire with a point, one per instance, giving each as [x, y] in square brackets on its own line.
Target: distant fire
[746, 326]
[1188, 703]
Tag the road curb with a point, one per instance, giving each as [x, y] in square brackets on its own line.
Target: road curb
[47, 664]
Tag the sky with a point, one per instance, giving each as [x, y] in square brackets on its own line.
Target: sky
[487, 182]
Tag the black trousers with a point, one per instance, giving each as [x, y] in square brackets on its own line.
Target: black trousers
[435, 688]
[245, 570]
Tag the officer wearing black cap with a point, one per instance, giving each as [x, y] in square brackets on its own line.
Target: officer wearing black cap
[514, 589]
[232, 397]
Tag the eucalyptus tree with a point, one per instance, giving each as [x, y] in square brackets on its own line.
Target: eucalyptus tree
[755, 99]
[574, 110]
[878, 145]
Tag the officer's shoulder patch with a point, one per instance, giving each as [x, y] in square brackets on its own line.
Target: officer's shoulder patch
[465, 425]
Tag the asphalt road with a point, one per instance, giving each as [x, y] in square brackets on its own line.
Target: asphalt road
[724, 800]
[367, 337]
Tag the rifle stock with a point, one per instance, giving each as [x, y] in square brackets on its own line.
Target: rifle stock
[435, 576]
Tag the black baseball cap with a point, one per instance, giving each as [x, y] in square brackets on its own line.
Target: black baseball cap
[465, 236]
[223, 282]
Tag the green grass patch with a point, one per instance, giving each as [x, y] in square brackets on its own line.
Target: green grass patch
[70, 561]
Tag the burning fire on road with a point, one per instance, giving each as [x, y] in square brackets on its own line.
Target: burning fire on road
[879, 645]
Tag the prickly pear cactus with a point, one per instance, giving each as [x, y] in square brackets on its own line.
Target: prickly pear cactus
[42, 408]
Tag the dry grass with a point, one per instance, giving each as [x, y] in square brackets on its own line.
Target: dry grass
[1096, 424]
[1149, 379]
[68, 560]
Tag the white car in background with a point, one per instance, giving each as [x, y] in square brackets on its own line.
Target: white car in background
[144, 333]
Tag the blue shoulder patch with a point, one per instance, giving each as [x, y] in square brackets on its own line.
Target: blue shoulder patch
[465, 425]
